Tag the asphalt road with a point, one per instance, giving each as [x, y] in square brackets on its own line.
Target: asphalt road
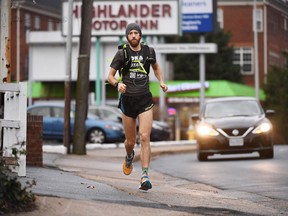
[244, 176]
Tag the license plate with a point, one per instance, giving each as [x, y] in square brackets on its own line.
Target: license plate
[236, 142]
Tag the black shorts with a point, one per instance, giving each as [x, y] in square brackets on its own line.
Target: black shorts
[132, 106]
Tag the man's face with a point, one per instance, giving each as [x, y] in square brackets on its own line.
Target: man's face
[134, 38]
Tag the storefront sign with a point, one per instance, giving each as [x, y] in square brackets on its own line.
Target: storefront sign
[186, 87]
[110, 18]
[197, 15]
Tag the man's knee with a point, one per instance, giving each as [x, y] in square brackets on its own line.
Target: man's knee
[130, 141]
[144, 137]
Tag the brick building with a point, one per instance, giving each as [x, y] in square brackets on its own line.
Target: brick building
[236, 16]
[29, 15]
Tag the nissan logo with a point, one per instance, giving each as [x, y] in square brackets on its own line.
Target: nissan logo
[235, 132]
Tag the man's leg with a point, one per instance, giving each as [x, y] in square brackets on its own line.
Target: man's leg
[145, 126]
[130, 134]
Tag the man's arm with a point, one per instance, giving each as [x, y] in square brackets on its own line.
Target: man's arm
[121, 87]
[158, 74]
[111, 76]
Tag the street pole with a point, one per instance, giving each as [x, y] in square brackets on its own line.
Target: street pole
[202, 73]
[67, 132]
[5, 41]
[256, 77]
[5, 54]
[98, 68]
[79, 142]
[18, 44]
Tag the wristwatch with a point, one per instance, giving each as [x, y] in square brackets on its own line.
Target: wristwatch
[116, 84]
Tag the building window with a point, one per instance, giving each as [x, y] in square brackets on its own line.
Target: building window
[50, 25]
[220, 19]
[259, 20]
[243, 57]
[58, 26]
[285, 23]
[27, 21]
[37, 23]
[274, 59]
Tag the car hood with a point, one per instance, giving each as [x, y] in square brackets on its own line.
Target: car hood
[235, 121]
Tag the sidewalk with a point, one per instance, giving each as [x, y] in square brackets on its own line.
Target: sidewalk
[55, 155]
[68, 184]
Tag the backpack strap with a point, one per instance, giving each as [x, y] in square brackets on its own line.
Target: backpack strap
[127, 61]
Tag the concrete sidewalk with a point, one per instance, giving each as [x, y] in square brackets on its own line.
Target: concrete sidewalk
[89, 180]
[108, 157]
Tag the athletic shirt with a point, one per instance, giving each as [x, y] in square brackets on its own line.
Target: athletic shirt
[137, 82]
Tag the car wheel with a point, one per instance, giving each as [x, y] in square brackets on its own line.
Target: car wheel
[266, 153]
[202, 156]
[96, 135]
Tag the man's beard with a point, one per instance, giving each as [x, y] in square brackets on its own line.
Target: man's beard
[134, 42]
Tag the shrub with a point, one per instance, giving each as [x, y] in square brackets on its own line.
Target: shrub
[13, 196]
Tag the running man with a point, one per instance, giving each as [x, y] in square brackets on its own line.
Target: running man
[133, 62]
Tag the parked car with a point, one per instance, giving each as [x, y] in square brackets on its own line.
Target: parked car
[96, 130]
[160, 130]
[233, 125]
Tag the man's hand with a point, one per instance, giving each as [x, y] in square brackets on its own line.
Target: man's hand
[122, 87]
[164, 87]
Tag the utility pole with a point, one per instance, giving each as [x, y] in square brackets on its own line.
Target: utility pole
[5, 54]
[5, 40]
[67, 121]
[82, 91]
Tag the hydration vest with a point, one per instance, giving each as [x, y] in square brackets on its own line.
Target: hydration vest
[144, 67]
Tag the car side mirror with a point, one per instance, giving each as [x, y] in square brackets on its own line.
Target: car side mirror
[270, 113]
[195, 117]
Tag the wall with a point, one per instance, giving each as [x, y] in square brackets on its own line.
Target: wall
[34, 155]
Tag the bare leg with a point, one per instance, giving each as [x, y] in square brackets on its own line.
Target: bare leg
[130, 133]
[145, 126]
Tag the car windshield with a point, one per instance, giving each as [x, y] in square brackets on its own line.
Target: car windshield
[222, 109]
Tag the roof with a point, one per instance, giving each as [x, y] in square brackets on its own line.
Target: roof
[54, 6]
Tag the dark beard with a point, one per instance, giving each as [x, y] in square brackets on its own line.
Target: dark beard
[134, 42]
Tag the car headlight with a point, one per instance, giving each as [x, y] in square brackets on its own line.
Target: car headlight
[206, 130]
[262, 128]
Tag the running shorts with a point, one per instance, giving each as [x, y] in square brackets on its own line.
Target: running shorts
[132, 106]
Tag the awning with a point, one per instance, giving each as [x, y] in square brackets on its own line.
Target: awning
[214, 88]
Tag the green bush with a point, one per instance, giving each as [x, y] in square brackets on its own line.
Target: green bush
[276, 90]
[14, 197]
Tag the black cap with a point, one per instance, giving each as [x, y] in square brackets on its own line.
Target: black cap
[133, 26]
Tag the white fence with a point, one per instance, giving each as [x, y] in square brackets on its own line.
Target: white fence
[14, 124]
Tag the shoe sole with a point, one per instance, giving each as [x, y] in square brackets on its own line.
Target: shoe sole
[127, 171]
[145, 186]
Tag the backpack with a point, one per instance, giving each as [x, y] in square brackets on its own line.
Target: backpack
[145, 68]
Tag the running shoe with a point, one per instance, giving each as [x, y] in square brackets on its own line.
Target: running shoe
[145, 183]
[127, 165]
